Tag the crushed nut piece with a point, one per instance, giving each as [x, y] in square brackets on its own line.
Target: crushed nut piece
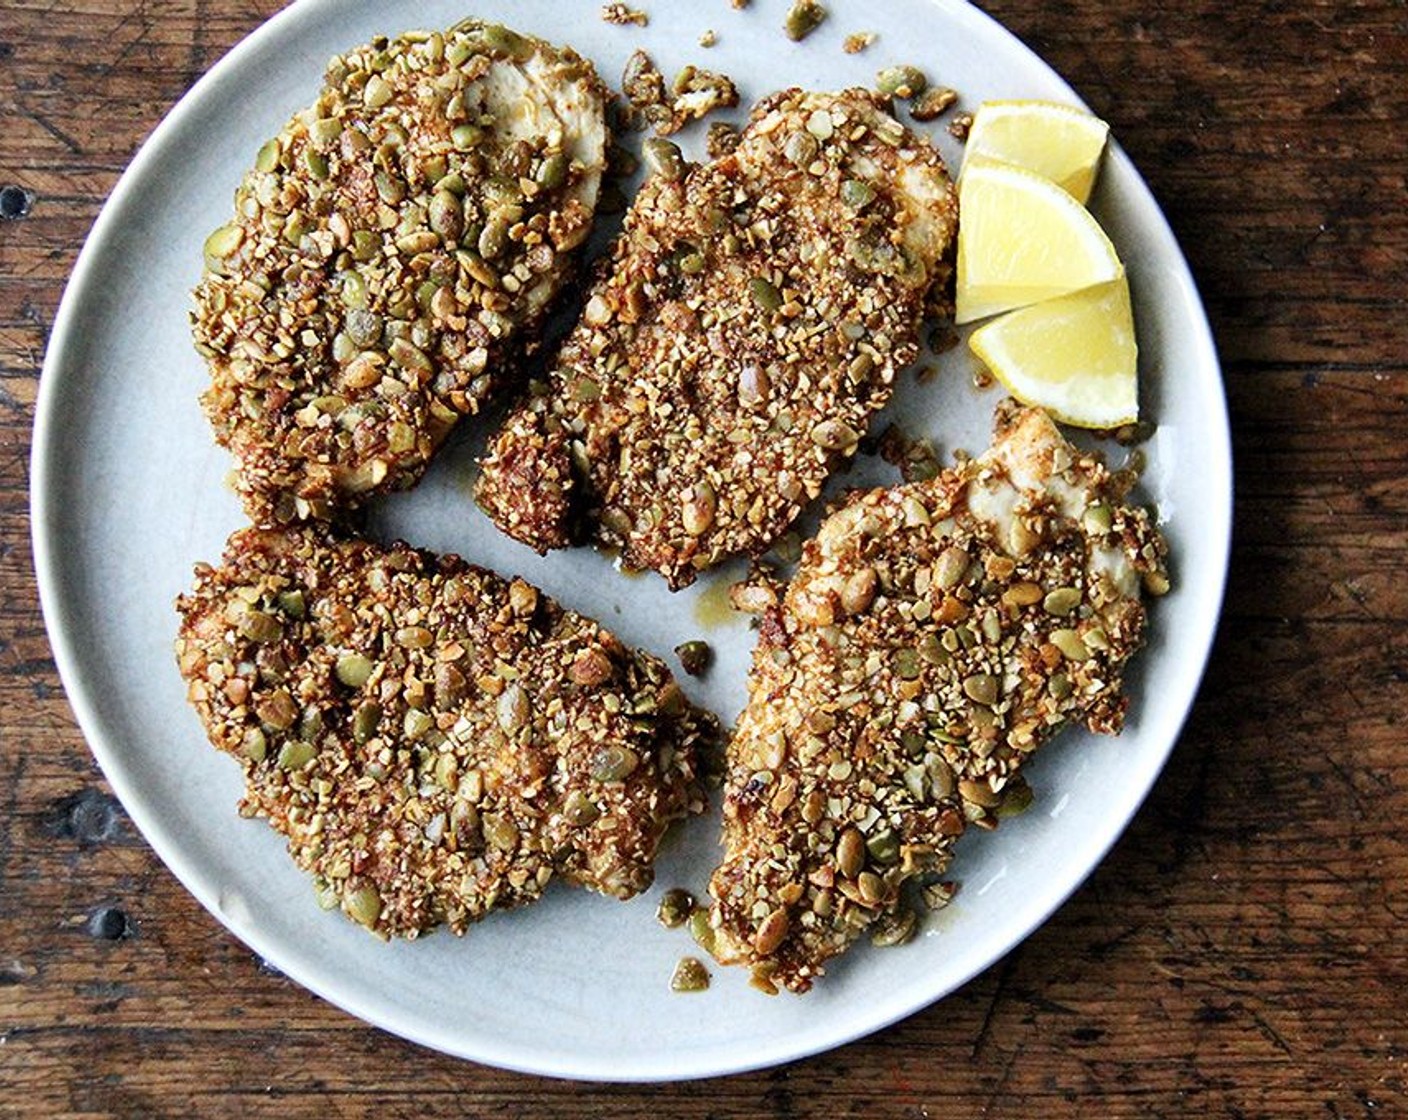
[694, 656]
[936, 896]
[858, 41]
[690, 976]
[708, 38]
[903, 82]
[693, 94]
[914, 455]
[622, 15]
[804, 17]
[697, 93]
[932, 103]
[722, 140]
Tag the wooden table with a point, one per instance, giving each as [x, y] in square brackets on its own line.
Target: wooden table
[1243, 950]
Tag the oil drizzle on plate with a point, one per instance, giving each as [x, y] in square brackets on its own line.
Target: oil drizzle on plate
[712, 608]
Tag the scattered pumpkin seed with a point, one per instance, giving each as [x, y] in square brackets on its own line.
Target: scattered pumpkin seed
[765, 294]
[579, 809]
[676, 906]
[268, 157]
[1097, 519]
[584, 389]
[883, 846]
[870, 887]
[366, 721]
[377, 92]
[499, 831]
[325, 130]
[690, 975]
[325, 894]
[1062, 601]
[857, 193]
[315, 163]
[981, 688]
[260, 627]
[408, 355]
[363, 327]
[701, 930]
[223, 242]
[932, 103]
[901, 81]
[389, 188]
[364, 906]
[503, 40]
[801, 149]
[1017, 798]
[772, 932]
[820, 124]
[895, 929]
[694, 656]
[467, 136]
[804, 17]
[938, 895]
[950, 567]
[614, 764]
[1070, 644]
[446, 215]
[255, 745]
[552, 172]
[699, 508]
[295, 754]
[850, 853]
[663, 158]
[353, 670]
[365, 245]
[978, 793]
[1157, 583]
[834, 435]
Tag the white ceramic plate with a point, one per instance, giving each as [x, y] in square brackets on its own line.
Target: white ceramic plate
[128, 493]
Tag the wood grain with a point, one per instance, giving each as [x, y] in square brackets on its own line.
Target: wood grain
[1241, 953]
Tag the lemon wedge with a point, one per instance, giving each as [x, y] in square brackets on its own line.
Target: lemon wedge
[1059, 142]
[1022, 239]
[1075, 356]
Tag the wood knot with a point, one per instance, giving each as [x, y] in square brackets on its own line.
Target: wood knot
[15, 202]
[109, 923]
[89, 816]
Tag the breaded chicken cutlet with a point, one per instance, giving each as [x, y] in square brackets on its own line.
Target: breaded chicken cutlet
[751, 322]
[435, 742]
[934, 636]
[391, 251]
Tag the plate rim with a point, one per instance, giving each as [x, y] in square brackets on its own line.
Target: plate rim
[45, 453]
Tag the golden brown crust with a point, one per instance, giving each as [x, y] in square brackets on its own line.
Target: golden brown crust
[934, 636]
[434, 741]
[390, 251]
[732, 354]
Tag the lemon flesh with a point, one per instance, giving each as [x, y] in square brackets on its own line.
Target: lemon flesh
[1022, 239]
[1074, 356]
[1059, 142]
